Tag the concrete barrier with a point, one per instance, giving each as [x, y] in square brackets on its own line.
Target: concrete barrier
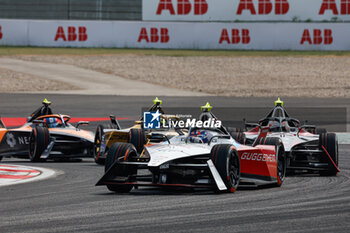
[176, 35]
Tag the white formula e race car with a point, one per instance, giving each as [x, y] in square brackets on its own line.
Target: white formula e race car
[306, 151]
[195, 158]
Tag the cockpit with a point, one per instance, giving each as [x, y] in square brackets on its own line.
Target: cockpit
[278, 120]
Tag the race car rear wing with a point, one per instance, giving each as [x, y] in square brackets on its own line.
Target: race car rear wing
[263, 131]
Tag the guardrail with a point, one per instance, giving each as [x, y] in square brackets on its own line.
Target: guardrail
[71, 9]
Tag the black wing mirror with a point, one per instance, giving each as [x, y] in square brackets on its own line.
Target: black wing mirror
[114, 121]
[81, 123]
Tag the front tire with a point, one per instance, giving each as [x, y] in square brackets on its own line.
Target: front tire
[98, 143]
[39, 140]
[226, 161]
[137, 137]
[121, 152]
[281, 157]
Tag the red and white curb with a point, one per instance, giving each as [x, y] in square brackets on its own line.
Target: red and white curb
[15, 174]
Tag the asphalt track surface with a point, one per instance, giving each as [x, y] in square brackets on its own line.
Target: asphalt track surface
[71, 203]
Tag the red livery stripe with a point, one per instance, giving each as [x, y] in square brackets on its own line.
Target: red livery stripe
[14, 170]
[15, 176]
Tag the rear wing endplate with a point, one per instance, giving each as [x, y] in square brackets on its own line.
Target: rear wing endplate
[2, 125]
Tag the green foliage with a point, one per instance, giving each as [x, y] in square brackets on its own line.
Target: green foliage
[9, 51]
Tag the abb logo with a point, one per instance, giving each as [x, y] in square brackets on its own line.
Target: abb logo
[184, 7]
[317, 37]
[265, 7]
[330, 5]
[236, 36]
[155, 35]
[258, 157]
[71, 34]
[0, 32]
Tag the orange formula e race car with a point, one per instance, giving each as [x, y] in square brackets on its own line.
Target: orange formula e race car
[46, 137]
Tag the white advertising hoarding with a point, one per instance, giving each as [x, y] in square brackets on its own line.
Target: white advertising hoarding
[176, 35]
[246, 10]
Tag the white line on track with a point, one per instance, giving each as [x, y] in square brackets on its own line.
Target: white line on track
[36, 174]
[343, 138]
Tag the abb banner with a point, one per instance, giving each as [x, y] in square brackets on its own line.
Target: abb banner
[246, 10]
[176, 35]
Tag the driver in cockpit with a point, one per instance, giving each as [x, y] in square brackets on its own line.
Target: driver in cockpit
[42, 111]
[276, 126]
[200, 136]
[51, 122]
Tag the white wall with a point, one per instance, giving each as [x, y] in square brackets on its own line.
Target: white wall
[179, 35]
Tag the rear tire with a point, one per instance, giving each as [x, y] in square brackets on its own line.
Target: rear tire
[39, 140]
[320, 131]
[99, 140]
[137, 137]
[239, 137]
[232, 129]
[226, 161]
[281, 157]
[330, 142]
[121, 152]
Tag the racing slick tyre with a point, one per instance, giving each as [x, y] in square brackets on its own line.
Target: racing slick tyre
[281, 156]
[0, 158]
[98, 143]
[137, 137]
[239, 137]
[320, 131]
[121, 152]
[226, 161]
[317, 131]
[330, 142]
[39, 140]
[231, 129]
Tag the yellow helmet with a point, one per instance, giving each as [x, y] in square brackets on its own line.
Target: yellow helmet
[157, 101]
[45, 101]
[206, 108]
[279, 102]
